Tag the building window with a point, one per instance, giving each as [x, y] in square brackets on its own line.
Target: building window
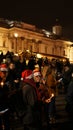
[30, 48]
[64, 53]
[12, 45]
[3, 43]
[20, 45]
[52, 50]
[45, 49]
[37, 48]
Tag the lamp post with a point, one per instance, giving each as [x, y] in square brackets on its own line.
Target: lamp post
[16, 36]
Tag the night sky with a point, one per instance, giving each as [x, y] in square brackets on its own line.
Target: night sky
[42, 13]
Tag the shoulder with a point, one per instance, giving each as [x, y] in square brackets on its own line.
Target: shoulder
[27, 87]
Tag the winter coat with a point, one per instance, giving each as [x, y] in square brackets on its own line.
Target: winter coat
[30, 98]
[51, 83]
[69, 98]
[4, 100]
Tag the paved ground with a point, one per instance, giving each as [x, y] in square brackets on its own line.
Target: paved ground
[61, 124]
[58, 126]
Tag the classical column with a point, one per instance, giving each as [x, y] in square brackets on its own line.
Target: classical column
[16, 37]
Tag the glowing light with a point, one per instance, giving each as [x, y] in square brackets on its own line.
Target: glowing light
[2, 83]
[52, 95]
[38, 55]
[27, 62]
[27, 50]
[16, 35]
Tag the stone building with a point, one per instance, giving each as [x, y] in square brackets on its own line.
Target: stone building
[17, 36]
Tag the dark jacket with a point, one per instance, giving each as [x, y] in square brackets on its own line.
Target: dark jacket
[4, 101]
[30, 98]
[69, 98]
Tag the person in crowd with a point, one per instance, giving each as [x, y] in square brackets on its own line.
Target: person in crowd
[31, 63]
[31, 96]
[13, 80]
[37, 67]
[44, 70]
[44, 98]
[4, 101]
[51, 86]
[67, 75]
[69, 100]
[12, 76]
[67, 80]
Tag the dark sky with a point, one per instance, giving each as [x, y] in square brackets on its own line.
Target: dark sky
[42, 13]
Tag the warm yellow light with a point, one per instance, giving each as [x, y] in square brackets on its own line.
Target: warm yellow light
[4, 60]
[52, 95]
[38, 55]
[2, 83]
[16, 54]
[27, 50]
[16, 35]
[27, 62]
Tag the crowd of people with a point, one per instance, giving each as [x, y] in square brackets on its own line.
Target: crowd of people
[28, 91]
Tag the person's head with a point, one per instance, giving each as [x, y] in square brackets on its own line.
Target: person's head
[26, 74]
[66, 66]
[29, 74]
[11, 66]
[3, 70]
[36, 75]
[37, 67]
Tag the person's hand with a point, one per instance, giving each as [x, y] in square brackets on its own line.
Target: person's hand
[48, 100]
[59, 80]
[16, 81]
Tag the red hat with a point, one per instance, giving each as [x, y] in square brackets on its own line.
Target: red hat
[26, 74]
[36, 72]
[3, 67]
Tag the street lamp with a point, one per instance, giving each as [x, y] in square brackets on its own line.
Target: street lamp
[16, 36]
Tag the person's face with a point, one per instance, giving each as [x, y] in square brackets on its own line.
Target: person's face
[11, 66]
[66, 68]
[3, 74]
[37, 78]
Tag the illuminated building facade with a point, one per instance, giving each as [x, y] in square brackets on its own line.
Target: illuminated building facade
[18, 36]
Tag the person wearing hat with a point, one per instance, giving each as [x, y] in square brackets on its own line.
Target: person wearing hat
[44, 98]
[3, 71]
[31, 118]
[36, 75]
[4, 102]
